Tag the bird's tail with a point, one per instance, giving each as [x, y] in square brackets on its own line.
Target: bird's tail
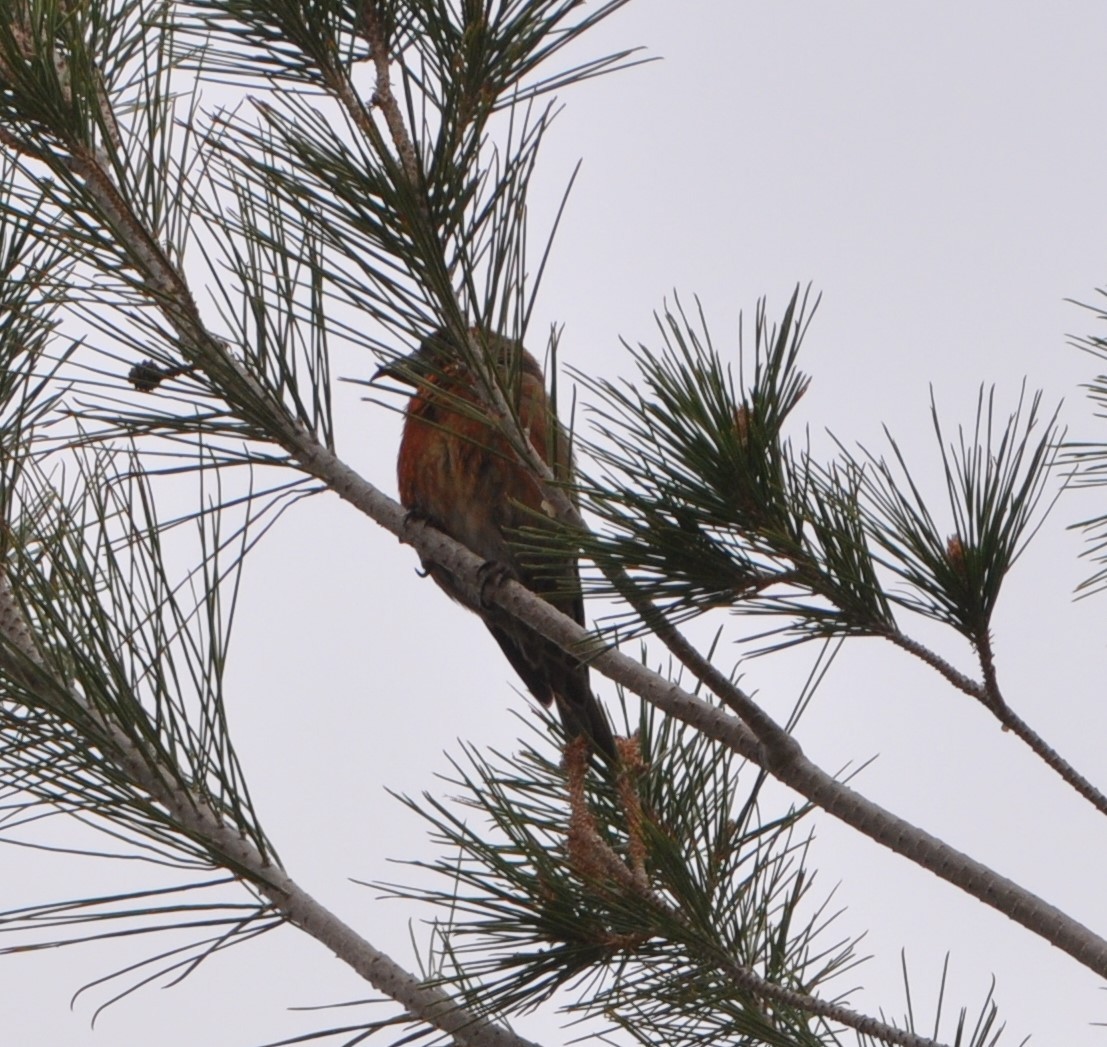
[552, 675]
[582, 714]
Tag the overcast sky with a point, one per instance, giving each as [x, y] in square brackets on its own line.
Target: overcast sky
[937, 172]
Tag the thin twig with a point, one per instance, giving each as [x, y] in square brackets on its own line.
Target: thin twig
[383, 98]
[957, 678]
[990, 696]
[993, 698]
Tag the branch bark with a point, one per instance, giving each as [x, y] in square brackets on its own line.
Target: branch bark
[191, 813]
[792, 768]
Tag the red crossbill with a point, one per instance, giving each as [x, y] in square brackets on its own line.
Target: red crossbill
[458, 471]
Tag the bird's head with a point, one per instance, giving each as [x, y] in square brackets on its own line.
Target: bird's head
[438, 353]
[435, 353]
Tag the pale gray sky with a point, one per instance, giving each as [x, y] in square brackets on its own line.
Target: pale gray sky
[936, 170]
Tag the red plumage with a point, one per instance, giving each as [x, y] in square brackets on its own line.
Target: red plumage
[458, 470]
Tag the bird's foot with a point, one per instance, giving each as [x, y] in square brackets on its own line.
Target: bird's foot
[491, 572]
[416, 516]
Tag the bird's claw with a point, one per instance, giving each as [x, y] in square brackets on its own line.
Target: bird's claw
[491, 572]
[417, 516]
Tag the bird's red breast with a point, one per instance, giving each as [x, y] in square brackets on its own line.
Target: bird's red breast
[458, 469]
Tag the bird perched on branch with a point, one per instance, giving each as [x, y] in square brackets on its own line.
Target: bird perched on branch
[457, 470]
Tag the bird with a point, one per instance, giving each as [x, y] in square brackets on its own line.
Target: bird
[456, 470]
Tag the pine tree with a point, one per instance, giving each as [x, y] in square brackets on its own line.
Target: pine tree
[176, 275]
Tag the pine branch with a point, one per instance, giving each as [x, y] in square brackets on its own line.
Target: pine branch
[661, 891]
[119, 238]
[191, 814]
[770, 747]
[430, 243]
[795, 771]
